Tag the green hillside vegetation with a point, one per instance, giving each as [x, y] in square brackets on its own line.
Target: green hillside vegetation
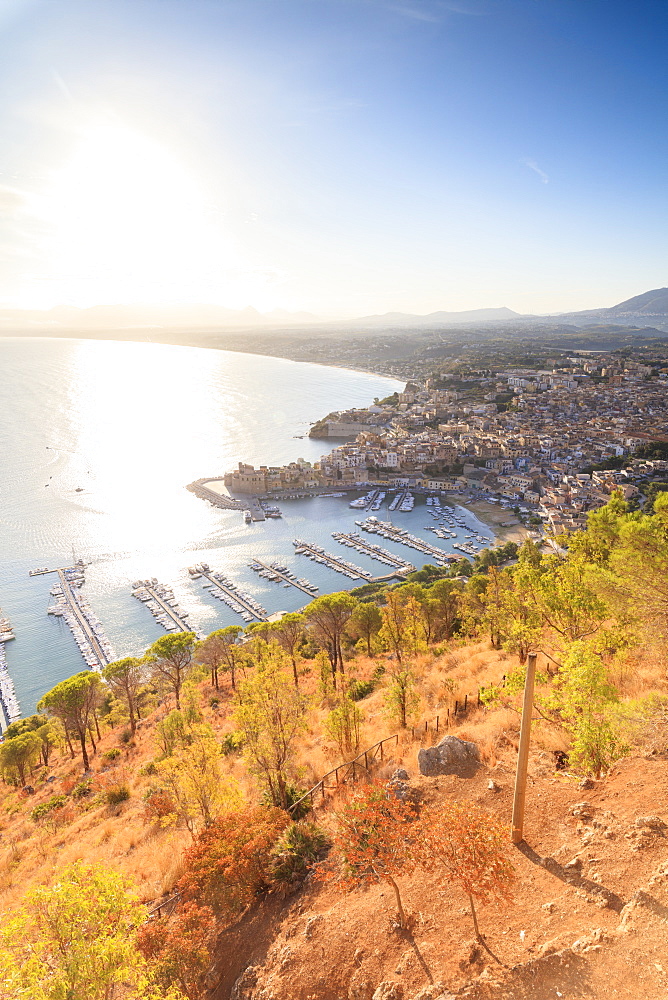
[205, 750]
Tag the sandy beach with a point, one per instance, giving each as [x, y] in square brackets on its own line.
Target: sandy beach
[506, 526]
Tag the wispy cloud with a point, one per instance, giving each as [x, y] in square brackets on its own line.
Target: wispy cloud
[433, 11]
[532, 165]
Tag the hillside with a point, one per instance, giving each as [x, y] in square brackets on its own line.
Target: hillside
[242, 900]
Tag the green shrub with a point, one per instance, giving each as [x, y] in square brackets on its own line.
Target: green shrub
[232, 743]
[126, 736]
[83, 789]
[112, 754]
[293, 794]
[297, 850]
[117, 794]
[148, 769]
[214, 702]
[42, 810]
[378, 672]
[360, 689]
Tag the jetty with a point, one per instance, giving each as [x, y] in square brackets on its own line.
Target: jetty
[390, 531]
[377, 552]
[221, 587]
[281, 574]
[10, 710]
[202, 489]
[318, 554]
[160, 601]
[85, 627]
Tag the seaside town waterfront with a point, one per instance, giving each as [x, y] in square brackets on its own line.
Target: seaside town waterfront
[548, 446]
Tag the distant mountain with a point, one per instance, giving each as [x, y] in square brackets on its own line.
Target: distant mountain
[398, 320]
[648, 309]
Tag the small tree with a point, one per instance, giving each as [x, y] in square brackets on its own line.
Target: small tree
[365, 622]
[328, 616]
[401, 698]
[126, 678]
[18, 755]
[231, 860]
[468, 846]
[583, 697]
[343, 725]
[195, 780]
[75, 939]
[73, 702]
[270, 713]
[289, 634]
[171, 657]
[373, 842]
[179, 947]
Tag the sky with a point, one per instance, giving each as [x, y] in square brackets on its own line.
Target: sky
[340, 157]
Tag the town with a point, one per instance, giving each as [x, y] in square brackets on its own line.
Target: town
[558, 440]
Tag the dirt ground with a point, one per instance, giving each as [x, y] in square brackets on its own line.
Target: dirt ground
[589, 918]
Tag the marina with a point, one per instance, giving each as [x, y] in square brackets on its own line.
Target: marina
[377, 552]
[85, 627]
[281, 574]
[318, 554]
[225, 590]
[10, 710]
[160, 601]
[390, 531]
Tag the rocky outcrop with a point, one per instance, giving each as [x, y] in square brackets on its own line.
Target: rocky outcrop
[450, 756]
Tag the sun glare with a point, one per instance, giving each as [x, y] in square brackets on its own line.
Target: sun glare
[128, 223]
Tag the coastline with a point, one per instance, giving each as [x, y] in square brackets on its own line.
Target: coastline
[186, 341]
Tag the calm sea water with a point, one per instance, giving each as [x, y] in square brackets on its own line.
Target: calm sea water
[97, 443]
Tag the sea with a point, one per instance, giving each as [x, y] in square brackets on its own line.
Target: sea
[98, 441]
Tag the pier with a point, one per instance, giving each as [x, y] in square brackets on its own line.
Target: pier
[202, 490]
[317, 553]
[284, 576]
[84, 626]
[160, 601]
[376, 552]
[10, 710]
[242, 603]
[390, 531]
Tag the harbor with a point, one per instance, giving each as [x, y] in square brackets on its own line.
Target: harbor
[160, 601]
[86, 629]
[318, 554]
[10, 710]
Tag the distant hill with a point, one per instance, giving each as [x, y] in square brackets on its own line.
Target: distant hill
[398, 320]
[122, 317]
[648, 309]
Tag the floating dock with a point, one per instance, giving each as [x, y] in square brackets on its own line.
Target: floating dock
[390, 531]
[281, 574]
[219, 586]
[376, 552]
[85, 627]
[10, 710]
[318, 554]
[160, 601]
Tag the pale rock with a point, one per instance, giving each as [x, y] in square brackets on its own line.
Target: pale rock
[450, 756]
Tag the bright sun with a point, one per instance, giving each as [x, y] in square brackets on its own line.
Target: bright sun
[128, 223]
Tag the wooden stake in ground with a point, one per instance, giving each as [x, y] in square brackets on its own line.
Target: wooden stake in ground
[517, 830]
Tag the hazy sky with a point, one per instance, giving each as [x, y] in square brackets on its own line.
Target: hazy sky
[344, 157]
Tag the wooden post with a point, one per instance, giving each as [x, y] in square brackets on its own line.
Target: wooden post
[466, 702]
[426, 726]
[456, 707]
[517, 829]
[381, 749]
[437, 718]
